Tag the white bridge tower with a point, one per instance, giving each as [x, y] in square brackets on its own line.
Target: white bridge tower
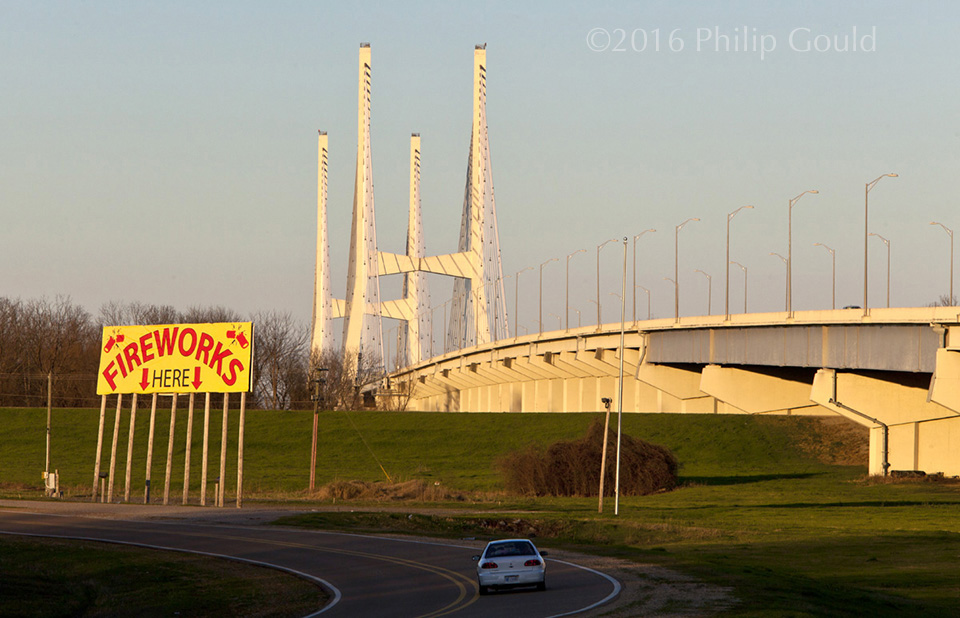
[478, 305]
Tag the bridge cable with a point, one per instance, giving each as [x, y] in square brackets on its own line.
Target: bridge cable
[370, 450]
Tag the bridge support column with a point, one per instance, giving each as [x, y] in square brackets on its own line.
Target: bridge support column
[907, 432]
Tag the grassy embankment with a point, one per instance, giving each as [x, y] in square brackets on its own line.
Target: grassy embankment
[788, 533]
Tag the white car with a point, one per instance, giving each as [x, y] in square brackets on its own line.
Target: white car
[510, 562]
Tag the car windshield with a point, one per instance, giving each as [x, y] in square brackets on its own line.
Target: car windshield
[510, 548]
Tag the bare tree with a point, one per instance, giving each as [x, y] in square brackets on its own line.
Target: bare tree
[279, 359]
[944, 301]
[345, 379]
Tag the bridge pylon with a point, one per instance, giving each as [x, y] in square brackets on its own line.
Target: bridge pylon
[478, 306]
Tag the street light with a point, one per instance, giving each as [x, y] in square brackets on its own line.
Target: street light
[726, 298]
[590, 300]
[744, 269]
[600, 246]
[709, 291]
[516, 298]
[790, 250]
[635, 238]
[948, 231]
[833, 257]
[676, 268]
[887, 243]
[674, 282]
[578, 316]
[559, 322]
[866, 232]
[541, 291]
[787, 264]
[648, 299]
[567, 301]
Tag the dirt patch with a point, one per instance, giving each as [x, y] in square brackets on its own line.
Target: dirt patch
[837, 441]
[415, 490]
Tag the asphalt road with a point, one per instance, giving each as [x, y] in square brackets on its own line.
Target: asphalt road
[367, 575]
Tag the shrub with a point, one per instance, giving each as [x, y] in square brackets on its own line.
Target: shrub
[572, 467]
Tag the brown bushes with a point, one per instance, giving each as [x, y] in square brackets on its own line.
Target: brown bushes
[572, 468]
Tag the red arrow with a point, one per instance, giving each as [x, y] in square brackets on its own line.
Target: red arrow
[196, 378]
[144, 381]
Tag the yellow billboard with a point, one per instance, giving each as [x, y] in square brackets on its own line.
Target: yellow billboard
[176, 358]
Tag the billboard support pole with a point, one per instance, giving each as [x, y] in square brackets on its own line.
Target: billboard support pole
[133, 424]
[113, 448]
[243, 412]
[224, 421]
[206, 451]
[169, 471]
[153, 422]
[96, 465]
[186, 459]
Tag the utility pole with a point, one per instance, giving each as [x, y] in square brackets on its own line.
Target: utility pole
[318, 383]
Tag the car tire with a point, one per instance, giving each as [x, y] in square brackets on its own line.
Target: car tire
[542, 585]
[483, 590]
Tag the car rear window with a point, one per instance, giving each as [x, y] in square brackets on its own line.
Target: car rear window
[512, 548]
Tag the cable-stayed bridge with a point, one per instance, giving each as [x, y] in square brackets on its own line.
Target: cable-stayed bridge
[895, 371]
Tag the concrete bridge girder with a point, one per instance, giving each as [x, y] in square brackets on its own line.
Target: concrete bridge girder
[945, 384]
[680, 382]
[758, 393]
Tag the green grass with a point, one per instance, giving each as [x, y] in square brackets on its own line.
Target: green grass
[458, 450]
[790, 535]
[53, 577]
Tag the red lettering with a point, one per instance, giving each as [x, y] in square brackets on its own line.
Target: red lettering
[204, 347]
[235, 365]
[131, 355]
[184, 350]
[110, 374]
[165, 342]
[216, 363]
[145, 346]
[123, 368]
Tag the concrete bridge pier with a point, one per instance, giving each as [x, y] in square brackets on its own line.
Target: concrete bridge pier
[908, 431]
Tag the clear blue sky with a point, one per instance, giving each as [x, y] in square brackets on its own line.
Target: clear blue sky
[165, 152]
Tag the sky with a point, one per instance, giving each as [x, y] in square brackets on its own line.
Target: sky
[165, 152]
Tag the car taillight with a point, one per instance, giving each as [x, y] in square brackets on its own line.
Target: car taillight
[532, 563]
[489, 565]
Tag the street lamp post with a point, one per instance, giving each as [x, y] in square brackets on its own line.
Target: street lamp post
[541, 290]
[744, 269]
[887, 243]
[635, 238]
[833, 257]
[590, 300]
[790, 250]
[648, 299]
[866, 232]
[950, 232]
[786, 294]
[674, 282]
[579, 324]
[567, 298]
[709, 291]
[600, 246]
[516, 298]
[676, 268]
[559, 321]
[726, 298]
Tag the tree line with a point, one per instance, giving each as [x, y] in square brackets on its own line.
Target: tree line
[56, 341]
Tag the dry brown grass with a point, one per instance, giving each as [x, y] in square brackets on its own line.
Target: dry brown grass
[412, 490]
[572, 467]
